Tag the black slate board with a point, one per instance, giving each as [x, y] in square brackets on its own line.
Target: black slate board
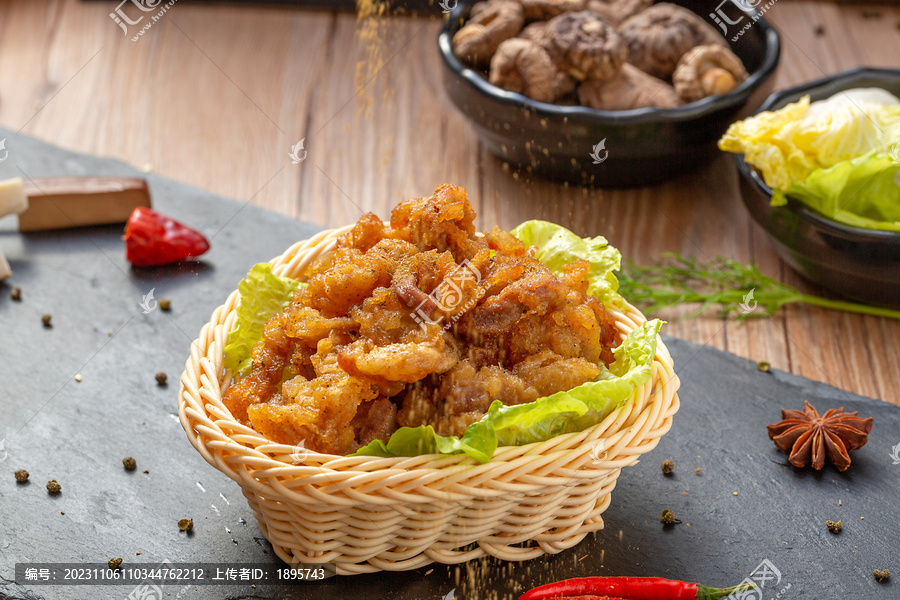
[77, 433]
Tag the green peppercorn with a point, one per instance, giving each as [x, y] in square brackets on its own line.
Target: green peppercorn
[46, 319]
[129, 463]
[16, 294]
[667, 517]
[114, 563]
[763, 366]
[165, 304]
[161, 379]
[667, 466]
[834, 527]
[21, 476]
[186, 524]
[881, 575]
[53, 488]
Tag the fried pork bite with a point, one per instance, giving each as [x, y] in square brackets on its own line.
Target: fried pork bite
[419, 322]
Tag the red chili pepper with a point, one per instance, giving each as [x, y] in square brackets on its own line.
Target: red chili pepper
[585, 598]
[152, 239]
[631, 588]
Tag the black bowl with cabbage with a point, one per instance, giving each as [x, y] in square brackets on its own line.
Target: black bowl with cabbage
[859, 263]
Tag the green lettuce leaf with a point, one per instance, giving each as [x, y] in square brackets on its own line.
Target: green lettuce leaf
[863, 192]
[563, 412]
[558, 247]
[263, 294]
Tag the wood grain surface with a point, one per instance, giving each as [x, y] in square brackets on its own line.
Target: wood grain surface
[216, 96]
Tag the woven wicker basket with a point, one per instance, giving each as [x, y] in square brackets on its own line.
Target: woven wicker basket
[366, 514]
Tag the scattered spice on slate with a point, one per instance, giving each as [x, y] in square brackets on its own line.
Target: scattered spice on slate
[698, 470]
[165, 304]
[763, 366]
[667, 466]
[185, 524]
[53, 488]
[21, 476]
[881, 575]
[834, 527]
[16, 294]
[129, 463]
[114, 563]
[161, 378]
[146, 472]
[46, 318]
[667, 517]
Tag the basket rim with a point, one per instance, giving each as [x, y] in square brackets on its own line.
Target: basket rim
[272, 460]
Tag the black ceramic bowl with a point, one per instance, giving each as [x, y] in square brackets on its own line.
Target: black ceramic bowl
[645, 146]
[860, 264]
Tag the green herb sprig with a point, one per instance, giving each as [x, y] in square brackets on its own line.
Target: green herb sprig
[726, 284]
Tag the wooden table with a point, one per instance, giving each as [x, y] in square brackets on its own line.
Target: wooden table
[216, 96]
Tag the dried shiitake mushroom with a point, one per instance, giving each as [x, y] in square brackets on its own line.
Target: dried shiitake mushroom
[631, 88]
[616, 11]
[542, 10]
[522, 66]
[489, 24]
[585, 46]
[538, 32]
[658, 37]
[707, 71]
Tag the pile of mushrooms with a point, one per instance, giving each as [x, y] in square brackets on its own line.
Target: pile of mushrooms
[604, 54]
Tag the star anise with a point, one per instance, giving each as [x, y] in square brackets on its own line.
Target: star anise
[810, 438]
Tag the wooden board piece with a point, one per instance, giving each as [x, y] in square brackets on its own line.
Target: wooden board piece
[63, 202]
